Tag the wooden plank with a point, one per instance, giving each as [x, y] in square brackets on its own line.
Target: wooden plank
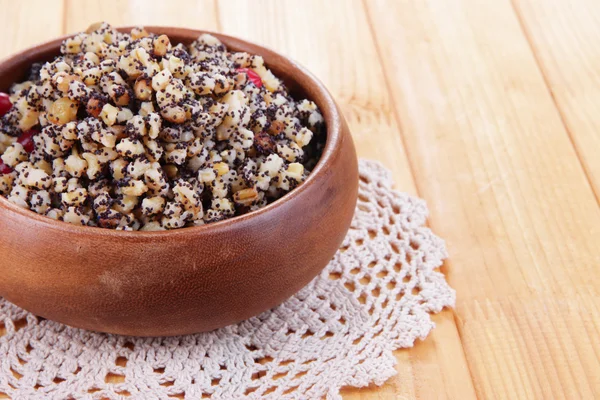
[506, 189]
[333, 40]
[198, 14]
[565, 37]
[25, 24]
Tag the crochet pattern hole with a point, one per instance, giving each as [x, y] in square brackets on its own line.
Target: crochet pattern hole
[372, 234]
[365, 280]
[114, 378]
[129, 345]
[250, 390]
[359, 242]
[20, 324]
[270, 390]
[397, 267]
[261, 361]
[215, 381]
[160, 370]
[385, 230]
[300, 374]
[259, 374]
[167, 384]
[58, 380]
[382, 274]
[334, 276]
[363, 208]
[307, 334]
[355, 271]
[291, 390]
[350, 286]
[121, 361]
[416, 290]
[16, 374]
[406, 279]
[362, 299]
[280, 375]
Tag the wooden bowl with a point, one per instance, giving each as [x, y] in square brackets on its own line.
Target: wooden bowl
[192, 279]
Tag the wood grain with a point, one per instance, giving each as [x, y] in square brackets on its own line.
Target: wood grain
[198, 14]
[506, 189]
[27, 23]
[564, 37]
[496, 129]
[339, 48]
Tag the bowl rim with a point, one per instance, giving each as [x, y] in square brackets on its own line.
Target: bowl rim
[328, 109]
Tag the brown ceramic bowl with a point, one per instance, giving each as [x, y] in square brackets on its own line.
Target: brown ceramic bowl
[192, 279]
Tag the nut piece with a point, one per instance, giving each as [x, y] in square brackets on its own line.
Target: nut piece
[153, 205]
[109, 114]
[295, 170]
[139, 33]
[143, 89]
[62, 111]
[134, 188]
[276, 128]
[120, 95]
[174, 114]
[221, 168]
[161, 45]
[94, 106]
[245, 197]
[64, 82]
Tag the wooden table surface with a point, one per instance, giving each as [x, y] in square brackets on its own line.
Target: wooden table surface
[490, 111]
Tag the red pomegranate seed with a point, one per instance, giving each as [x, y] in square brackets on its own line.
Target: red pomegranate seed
[4, 169]
[253, 76]
[26, 140]
[5, 104]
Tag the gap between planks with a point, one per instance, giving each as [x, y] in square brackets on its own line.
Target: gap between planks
[411, 162]
[559, 110]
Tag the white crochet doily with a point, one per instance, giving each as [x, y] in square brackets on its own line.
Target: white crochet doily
[375, 296]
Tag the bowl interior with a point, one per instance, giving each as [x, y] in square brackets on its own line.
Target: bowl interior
[300, 83]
